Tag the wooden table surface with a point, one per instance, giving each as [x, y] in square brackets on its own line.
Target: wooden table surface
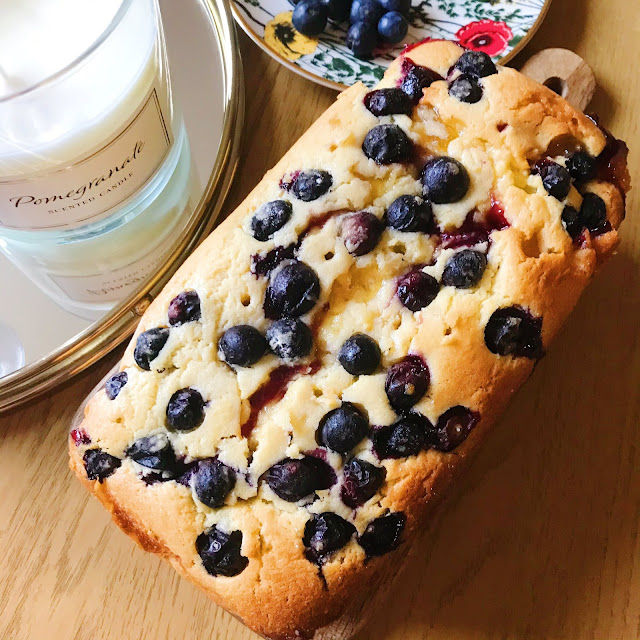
[539, 540]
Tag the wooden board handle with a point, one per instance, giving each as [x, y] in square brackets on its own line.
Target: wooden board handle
[565, 72]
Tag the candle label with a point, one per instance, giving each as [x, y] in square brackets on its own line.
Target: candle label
[93, 187]
[111, 286]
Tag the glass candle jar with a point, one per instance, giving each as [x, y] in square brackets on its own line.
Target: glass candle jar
[95, 167]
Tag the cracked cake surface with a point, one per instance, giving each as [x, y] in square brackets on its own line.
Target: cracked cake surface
[312, 377]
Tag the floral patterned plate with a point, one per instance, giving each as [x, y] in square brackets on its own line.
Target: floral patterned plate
[498, 27]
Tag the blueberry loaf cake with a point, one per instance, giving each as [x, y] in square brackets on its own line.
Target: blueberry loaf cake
[309, 382]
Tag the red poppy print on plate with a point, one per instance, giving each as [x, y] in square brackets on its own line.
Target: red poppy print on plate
[489, 36]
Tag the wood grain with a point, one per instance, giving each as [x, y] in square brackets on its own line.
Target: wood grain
[539, 540]
[565, 72]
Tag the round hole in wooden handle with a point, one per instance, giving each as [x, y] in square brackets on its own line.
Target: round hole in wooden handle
[564, 72]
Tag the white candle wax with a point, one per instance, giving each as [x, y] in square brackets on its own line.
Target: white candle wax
[76, 114]
[40, 37]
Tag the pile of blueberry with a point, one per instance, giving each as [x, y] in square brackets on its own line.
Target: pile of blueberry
[372, 22]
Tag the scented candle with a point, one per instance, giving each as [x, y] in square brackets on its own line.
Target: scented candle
[95, 167]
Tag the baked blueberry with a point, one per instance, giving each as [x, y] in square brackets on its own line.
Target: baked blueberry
[311, 185]
[343, 428]
[361, 480]
[387, 102]
[416, 79]
[154, 452]
[466, 88]
[476, 63]
[185, 410]
[361, 232]
[325, 533]
[263, 264]
[445, 180]
[410, 213]
[269, 218]
[310, 17]
[382, 534]
[410, 434]
[417, 289]
[338, 10]
[113, 386]
[593, 212]
[293, 480]
[453, 427]
[293, 291]
[185, 307]
[572, 222]
[359, 355]
[407, 381]
[403, 6]
[149, 345]
[581, 166]
[213, 482]
[513, 331]
[555, 179]
[241, 345]
[220, 552]
[464, 269]
[290, 339]
[393, 27]
[386, 144]
[99, 464]
[362, 38]
[368, 11]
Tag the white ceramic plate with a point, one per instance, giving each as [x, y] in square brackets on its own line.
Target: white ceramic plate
[498, 27]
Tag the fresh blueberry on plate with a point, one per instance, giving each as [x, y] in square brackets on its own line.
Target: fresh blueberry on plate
[368, 11]
[310, 17]
[393, 27]
[362, 38]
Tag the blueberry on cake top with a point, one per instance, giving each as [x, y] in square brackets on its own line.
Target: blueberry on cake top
[301, 392]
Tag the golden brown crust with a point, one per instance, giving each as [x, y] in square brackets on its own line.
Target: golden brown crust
[532, 263]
